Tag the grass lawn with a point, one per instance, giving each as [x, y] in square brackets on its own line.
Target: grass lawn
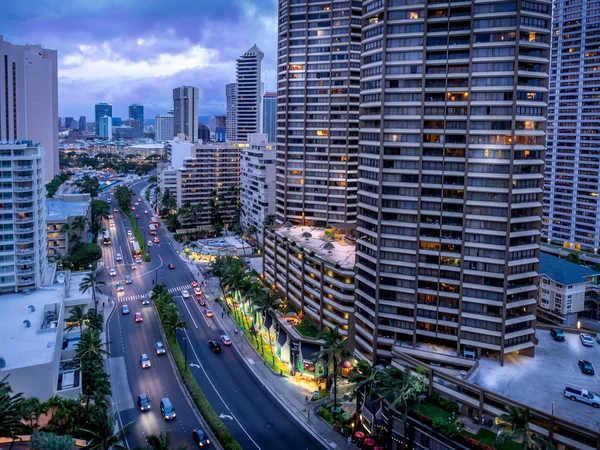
[307, 328]
[489, 437]
[432, 411]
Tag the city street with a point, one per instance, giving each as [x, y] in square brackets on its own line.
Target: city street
[254, 417]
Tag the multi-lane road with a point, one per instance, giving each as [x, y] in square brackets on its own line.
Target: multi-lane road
[255, 419]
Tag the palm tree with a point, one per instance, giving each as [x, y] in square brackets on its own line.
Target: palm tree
[94, 320]
[76, 319]
[102, 433]
[172, 319]
[79, 223]
[402, 389]
[365, 379]
[90, 282]
[160, 442]
[90, 351]
[32, 410]
[264, 305]
[67, 414]
[514, 426]
[333, 347]
[11, 407]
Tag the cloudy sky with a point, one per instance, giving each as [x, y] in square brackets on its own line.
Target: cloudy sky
[137, 51]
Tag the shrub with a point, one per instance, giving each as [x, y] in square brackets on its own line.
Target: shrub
[450, 429]
[447, 405]
[178, 237]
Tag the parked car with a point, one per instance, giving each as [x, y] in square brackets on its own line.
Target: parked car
[125, 310]
[557, 335]
[200, 437]
[586, 339]
[145, 361]
[586, 367]
[226, 339]
[583, 396]
[143, 402]
[214, 346]
[160, 348]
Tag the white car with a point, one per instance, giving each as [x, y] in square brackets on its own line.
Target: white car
[586, 340]
[112, 272]
[150, 244]
[145, 211]
[185, 294]
[226, 339]
[133, 266]
[112, 224]
[119, 257]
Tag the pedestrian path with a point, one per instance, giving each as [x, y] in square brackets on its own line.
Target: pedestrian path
[173, 290]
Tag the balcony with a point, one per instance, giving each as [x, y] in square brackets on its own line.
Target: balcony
[24, 219]
[29, 271]
[30, 240]
[19, 168]
[24, 230]
[23, 178]
[22, 199]
[28, 209]
[25, 251]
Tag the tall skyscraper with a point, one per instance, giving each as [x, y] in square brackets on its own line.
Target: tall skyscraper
[164, 127]
[221, 128]
[68, 123]
[136, 112]
[231, 96]
[249, 92]
[269, 122]
[82, 123]
[212, 123]
[29, 98]
[452, 139]
[571, 201]
[185, 107]
[102, 110]
[105, 127]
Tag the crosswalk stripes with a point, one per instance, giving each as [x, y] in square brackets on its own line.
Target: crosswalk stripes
[173, 290]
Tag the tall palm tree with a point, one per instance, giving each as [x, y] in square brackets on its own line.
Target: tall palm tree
[79, 223]
[514, 426]
[90, 351]
[102, 431]
[160, 442]
[264, 305]
[333, 347]
[76, 318]
[402, 389]
[94, 320]
[90, 283]
[11, 408]
[172, 319]
[364, 378]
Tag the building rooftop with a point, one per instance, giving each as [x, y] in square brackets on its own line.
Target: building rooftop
[23, 346]
[562, 271]
[146, 146]
[59, 209]
[342, 253]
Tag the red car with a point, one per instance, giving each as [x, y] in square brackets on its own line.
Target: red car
[137, 216]
[201, 301]
[195, 283]
[138, 317]
[133, 208]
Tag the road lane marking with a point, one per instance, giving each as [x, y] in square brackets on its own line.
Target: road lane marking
[189, 312]
[203, 315]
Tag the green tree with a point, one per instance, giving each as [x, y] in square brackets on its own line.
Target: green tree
[41, 440]
[102, 431]
[173, 222]
[90, 282]
[218, 228]
[85, 255]
[32, 410]
[94, 320]
[160, 442]
[269, 221]
[100, 209]
[513, 426]
[333, 348]
[11, 407]
[88, 185]
[573, 257]
[76, 319]
[264, 305]
[364, 378]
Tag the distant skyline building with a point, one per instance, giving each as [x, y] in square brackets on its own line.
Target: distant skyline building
[136, 112]
[134, 125]
[203, 133]
[102, 110]
[249, 93]
[117, 121]
[269, 122]
[164, 127]
[82, 123]
[221, 128]
[212, 123]
[68, 123]
[231, 98]
[185, 107]
[105, 127]
[29, 98]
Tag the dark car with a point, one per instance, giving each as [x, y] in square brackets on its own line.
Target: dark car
[143, 402]
[214, 346]
[200, 437]
[171, 266]
[557, 335]
[586, 367]
[201, 301]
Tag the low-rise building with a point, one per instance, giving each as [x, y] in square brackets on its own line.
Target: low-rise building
[257, 183]
[568, 292]
[314, 269]
[145, 150]
[63, 228]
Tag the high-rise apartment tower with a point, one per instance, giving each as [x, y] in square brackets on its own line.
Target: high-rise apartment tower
[249, 93]
[185, 112]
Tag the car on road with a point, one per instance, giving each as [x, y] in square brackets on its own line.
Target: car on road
[208, 312]
[127, 279]
[145, 361]
[115, 210]
[136, 204]
[143, 402]
[145, 300]
[185, 294]
[586, 339]
[214, 346]
[138, 260]
[160, 348]
[125, 310]
[119, 257]
[197, 291]
[582, 395]
[110, 216]
[133, 266]
[586, 367]
[138, 317]
[195, 283]
[133, 208]
[150, 243]
[226, 339]
[112, 225]
[156, 240]
[137, 216]
[112, 272]
[557, 335]
[119, 287]
[145, 211]
[201, 301]
[139, 199]
[200, 437]
[129, 233]
[167, 410]
[171, 266]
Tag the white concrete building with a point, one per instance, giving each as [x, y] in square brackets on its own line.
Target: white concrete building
[63, 211]
[185, 111]
[269, 118]
[145, 150]
[105, 127]
[22, 220]
[249, 93]
[231, 121]
[29, 98]
[166, 180]
[165, 127]
[257, 182]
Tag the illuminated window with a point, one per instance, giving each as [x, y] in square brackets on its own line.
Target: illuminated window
[414, 15]
[322, 133]
[531, 36]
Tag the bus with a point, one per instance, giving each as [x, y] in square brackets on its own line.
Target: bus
[135, 249]
[152, 228]
[154, 221]
[106, 237]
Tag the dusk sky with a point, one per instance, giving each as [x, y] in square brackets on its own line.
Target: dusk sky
[137, 51]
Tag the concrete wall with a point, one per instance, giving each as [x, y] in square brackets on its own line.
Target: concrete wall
[35, 381]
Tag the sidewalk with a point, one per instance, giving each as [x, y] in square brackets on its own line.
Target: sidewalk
[292, 394]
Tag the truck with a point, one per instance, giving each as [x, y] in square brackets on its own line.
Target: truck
[582, 395]
[152, 229]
